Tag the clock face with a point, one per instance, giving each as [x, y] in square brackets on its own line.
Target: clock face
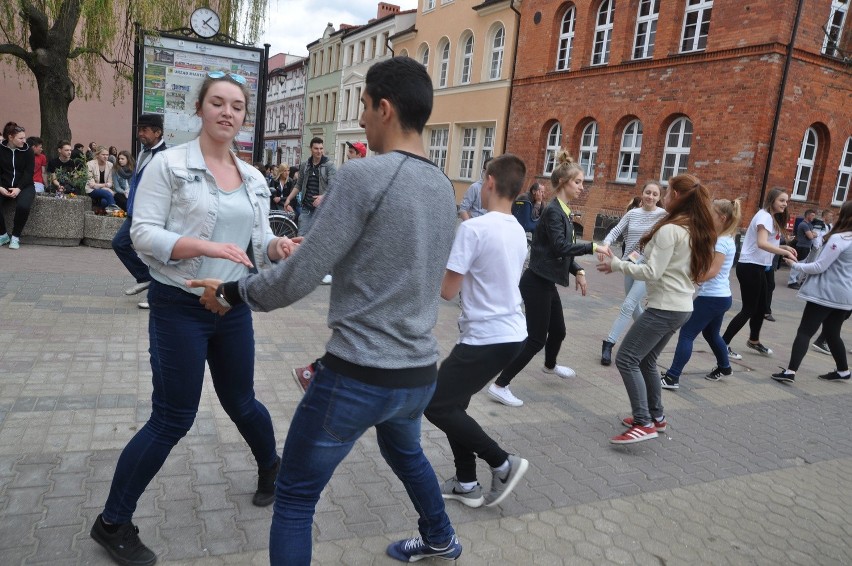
[205, 22]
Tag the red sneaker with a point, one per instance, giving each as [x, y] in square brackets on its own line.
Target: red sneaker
[659, 425]
[635, 434]
[303, 376]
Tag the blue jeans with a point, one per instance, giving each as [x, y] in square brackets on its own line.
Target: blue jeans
[335, 411]
[306, 220]
[102, 197]
[123, 248]
[183, 336]
[631, 308]
[707, 315]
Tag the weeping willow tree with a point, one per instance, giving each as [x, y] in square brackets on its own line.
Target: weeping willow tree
[67, 44]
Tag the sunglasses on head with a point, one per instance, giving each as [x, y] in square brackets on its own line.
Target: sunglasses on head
[234, 77]
[18, 129]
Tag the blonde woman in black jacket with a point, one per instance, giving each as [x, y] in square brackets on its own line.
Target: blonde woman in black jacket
[551, 261]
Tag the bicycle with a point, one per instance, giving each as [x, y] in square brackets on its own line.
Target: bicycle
[282, 223]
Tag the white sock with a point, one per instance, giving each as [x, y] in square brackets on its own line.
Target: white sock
[503, 468]
[468, 485]
[843, 373]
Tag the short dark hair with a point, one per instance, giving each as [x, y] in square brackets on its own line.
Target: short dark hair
[316, 140]
[809, 211]
[486, 161]
[33, 141]
[79, 146]
[508, 171]
[406, 85]
[62, 143]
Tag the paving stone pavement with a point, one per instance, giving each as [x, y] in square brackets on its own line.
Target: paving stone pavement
[749, 472]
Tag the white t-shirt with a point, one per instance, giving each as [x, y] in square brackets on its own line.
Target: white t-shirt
[490, 251]
[720, 286]
[750, 253]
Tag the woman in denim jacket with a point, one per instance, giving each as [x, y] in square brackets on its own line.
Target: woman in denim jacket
[199, 212]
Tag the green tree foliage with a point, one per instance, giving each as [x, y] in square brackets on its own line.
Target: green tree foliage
[67, 44]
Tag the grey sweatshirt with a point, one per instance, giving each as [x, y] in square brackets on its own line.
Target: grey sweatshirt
[384, 232]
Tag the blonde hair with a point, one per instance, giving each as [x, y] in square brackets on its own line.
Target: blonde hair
[732, 211]
[565, 170]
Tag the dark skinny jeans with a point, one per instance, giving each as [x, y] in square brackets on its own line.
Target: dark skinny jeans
[753, 290]
[23, 205]
[831, 321]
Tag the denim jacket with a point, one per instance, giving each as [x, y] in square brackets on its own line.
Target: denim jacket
[179, 198]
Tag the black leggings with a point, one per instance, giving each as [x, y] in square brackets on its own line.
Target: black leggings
[23, 204]
[753, 292]
[545, 325]
[831, 320]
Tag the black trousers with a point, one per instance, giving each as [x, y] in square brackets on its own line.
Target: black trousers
[465, 371]
[23, 204]
[545, 325]
[831, 321]
[752, 278]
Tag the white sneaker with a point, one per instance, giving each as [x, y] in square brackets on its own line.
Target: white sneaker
[138, 288]
[327, 279]
[143, 305]
[503, 395]
[562, 371]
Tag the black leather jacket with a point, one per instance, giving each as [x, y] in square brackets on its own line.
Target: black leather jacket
[553, 246]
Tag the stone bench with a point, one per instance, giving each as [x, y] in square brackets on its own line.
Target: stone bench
[64, 222]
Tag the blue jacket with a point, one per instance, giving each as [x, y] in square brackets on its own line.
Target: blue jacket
[137, 176]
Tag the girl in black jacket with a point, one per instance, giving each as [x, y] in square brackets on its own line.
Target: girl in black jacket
[17, 163]
[551, 260]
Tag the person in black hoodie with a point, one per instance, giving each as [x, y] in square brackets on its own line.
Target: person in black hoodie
[17, 163]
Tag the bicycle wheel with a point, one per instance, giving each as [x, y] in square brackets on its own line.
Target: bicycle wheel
[281, 225]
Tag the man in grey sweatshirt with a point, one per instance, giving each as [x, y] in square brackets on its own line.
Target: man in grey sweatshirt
[384, 232]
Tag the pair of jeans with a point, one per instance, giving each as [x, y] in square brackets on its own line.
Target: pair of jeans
[831, 320]
[466, 370]
[23, 205]
[636, 361]
[545, 325]
[306, 220]
[753, 292]
[796, 274]
[707, 315]
[122, 245]
[335, 411]
[631, 308]
[183, 336]
[102, 197]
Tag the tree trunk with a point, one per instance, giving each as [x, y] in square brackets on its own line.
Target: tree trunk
[55, 93]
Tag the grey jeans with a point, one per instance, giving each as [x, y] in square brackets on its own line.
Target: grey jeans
[636, 360]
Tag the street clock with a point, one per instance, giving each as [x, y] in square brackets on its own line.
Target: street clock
[205, 22]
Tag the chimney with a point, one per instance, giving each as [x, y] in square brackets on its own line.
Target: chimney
[386, 9]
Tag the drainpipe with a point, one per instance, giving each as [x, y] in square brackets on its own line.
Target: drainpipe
[512, 78]
[780, 103]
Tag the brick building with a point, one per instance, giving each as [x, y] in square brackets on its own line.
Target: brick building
[646, 89]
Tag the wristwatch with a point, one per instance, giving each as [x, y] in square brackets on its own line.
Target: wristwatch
[220, 296]
[580, 272]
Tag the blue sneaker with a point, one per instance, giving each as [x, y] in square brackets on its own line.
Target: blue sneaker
[414, 549]
[5, 239]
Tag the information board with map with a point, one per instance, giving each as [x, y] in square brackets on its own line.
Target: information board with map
[172, 73]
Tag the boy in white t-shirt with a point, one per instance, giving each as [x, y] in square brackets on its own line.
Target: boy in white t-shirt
[485, 267]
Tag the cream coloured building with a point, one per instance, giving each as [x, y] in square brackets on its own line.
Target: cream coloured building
[468, 49]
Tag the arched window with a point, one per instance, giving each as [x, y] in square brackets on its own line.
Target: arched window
[498, 43]
[805, 170]
[589, 149]
[646, 29]
[466, 60]
[834, 27]
[423, 57]
[631, 147]
[676, 152]
[403, 53]
[696, 25]
[603, 33]
[566, 41]
[443, 62]
[841, 191]
[554, 140]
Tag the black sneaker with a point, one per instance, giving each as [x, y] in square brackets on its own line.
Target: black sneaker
[265, 493]
[821, 347]
[759, 348]
[414, 549]
[124, 545]
[669, 382]
[733, 355]
[834, 376]
[718, 373]
[784, 377]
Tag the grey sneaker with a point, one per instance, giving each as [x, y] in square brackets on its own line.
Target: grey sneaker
[759, 348]
[503, 486]
[451, 489]
[733, 355]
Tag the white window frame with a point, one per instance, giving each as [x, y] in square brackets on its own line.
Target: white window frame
[646, 29]
[589, 149]
[554, 144]
[844, 174]
[443, 62]
[468, 152]
[603, 33]
[438, 142]
[428, 5]
[566, 40]
[466, 66]
[805, 165]
[423, 56]
[678, 151]
[498, 45]
[487, 143]
[834, 27]
[696, 17]
[631, 150]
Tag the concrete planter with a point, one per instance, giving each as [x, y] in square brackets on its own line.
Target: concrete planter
[52, 222]
[98, 231]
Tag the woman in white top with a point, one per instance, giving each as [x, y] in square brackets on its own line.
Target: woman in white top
[761, 243]
[678, 251]
[99, 185]
[712, 302]
[633, 225]
[828, 292]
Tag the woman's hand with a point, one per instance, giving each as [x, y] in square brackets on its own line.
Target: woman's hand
[13, 191]
[605, 266]
[282, 248]
[603, 251]
[581, 284]
[208, 297]
[790, 262]
[230, 252]
[5, 192]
